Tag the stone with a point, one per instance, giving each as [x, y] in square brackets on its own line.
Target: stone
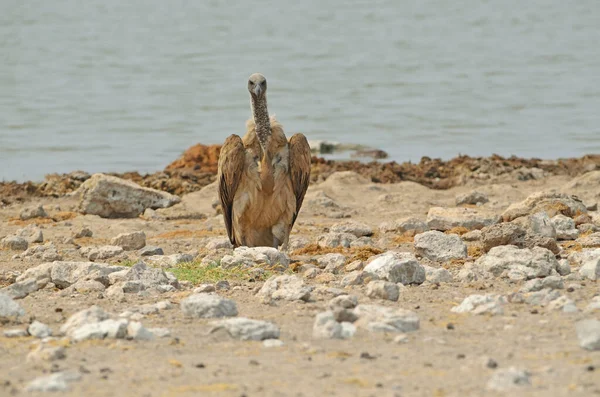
[380, 289]
[14, 243]
[269, 343]
[39, 272]
[204, 288]
[332, 263]
[333, 240]
[218, 243]
[343, 302]
[590, 269]
[105, 329]
[588, 332]
[47, 354]
[517, 264]
[208, 306]
[355, 278]
[298, 242]
[33, 212]
[502, 234]
[408, 226]
[15, 333]
[540, 224]
[160, 332]
[141, 277]
[93, 314]
[250, 257]
[508, 379]
[590, 241]
[64, 274]
[326, 327]
[285, 287]
[31, 233]
[130, 241]
[101, 253]
[473, 235]
[136, 331]
[550, 202]
[565, 227]
[57, 382]
[537, 284]
[386, 319]
[563, 304]
[440, 247]
[437, 275]
[473, 197]
[9, 309]
[397, 267]
[168, 261]
[354, 266]
[542, 297]
[39, 330]
[563, 268]
[87, 286]
[443, 219]
[356, 228]
[481, 304]
[83, 232]
[21, 289]
[594, 304]
[112, 197]
[247, 329]
[150, 250]
[312, 273]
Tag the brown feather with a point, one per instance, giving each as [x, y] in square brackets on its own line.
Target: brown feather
[231, 166]
[299, 169]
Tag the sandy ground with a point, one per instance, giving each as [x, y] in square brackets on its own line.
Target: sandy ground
[447, 356]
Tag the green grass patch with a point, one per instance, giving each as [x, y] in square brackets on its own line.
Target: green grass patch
[197, 273]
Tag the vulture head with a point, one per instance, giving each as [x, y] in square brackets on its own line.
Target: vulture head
[257, 86]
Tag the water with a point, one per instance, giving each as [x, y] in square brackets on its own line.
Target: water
[118, 86]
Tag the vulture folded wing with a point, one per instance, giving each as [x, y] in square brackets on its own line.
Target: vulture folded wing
[299, 169]
[231, 167]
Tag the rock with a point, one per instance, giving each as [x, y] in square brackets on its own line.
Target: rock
[354, 266]
[591, 269]
[355, 278]
[47, 354]
[333, 240]
[332, 263]
[142, 277]
[31, 233]
[594, 304]
[540, 224]
[286, 287]
[542, 297]
[87, 286]
[473, 235]
[563, 267]
[537, 284]
[298, 242]
[39, 330]
[56, 382]
[590, 241]
[565, 227]
[64, 274]
[168, 261]
[101, 253]
[21, 289]
[502, 234]
[326, 327]
[408, 226]
[9, 309]
[93, 314]
[517, 264]
[325, 278]
[380, 289]
[443, 219]
[112, 197]
[15, 333]
[311, 273]
[550, 202]
[564, 304]
[160, 332]
[105, 329]
[508, 379]
[130, 241]
[397, 267]
[83, 232]
[136, 331]
[204, 288]
[473, 197]
[14, 243]
[208, 306]
[218, 243]
[150, 250]
[247, 329]
[437, 275]
[33, 212]
[386, 319]
[249, 257]
[440, 247]
[481, 304]
[351, 227]
[269, 343]
[343, 302]
[39, 272]
[588, 332]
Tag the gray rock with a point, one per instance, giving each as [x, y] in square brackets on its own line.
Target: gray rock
[64, 274]
[218, 243]
[105, 329]
[332, 263]
[565, 227]
[141, 277]
[39, 272]
[150, 250]
[343, 302]
[355, 278]
[473, 235]
[93, 314]
[14, 243]
[380, 289]
[247, 329]
[47, 354]
[23, 288]
[298, 242]
[481, 304]
[542, 297]
[517, 264]
[326, 327]
[409, 226]
[208, 306]
[356, 228]
[473, 197]
[102, 252]
[39, 330]
[160, 332]
[588, 332]
[250, 257]
[508, 379]
[333, 240]
[579, 258]
[56, 382]
[550, 202]
[83, 232]
[168, 261]
[130, 241]
[312, 272]
[87, 286]
[563, 267]
[286, 287]
[204, 288]
[443, 219]
[437, 275]
[397, 267]
[540, 224]
[136, 331]
[537, 284]
[591, 269]
[31, 233]
[502, 234]
[15, 333]
[33, 212]
[9, 309]
[385, 319]
[440, 247]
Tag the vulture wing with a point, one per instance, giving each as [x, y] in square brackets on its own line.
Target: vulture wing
[299, 169]
[231, 166]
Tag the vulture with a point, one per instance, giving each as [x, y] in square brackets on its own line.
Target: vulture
[262, 178]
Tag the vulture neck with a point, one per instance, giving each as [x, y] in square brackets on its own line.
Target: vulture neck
[263, 133]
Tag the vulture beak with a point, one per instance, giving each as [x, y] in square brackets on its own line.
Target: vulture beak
[257, 90]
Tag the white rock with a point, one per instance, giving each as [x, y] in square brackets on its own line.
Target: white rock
[168, 261]
[540, 224]
[250, 257]
[112, 197]
[64, 274]
[508, 379]
[285, 287]
[333, 240]
[343, 302]
[565, 227]
[9, 309]
[440, 247]
[106, 329]
[46, 354]
[31, 233]
[14, 243]
[594, 304]
[386, 319]
[542, 297]
[355, 278]
[298, 242]
[39, 330]
[563, 268]
[160, 332]
[272, 343]
[437, 275]
[536, 284]
[473, 197]
[356, 228]
[102, 252]
[23, 288]
[141, 277]
[326, 327]
[443, 219]
[397, 267]
[247, 329]
[83, 232]
[15, 333]
[332, 263]
[39, 272]
[480, 304]
[591, 269]
[544, 201]
[136, 331]
[524, 263]
[130, 241]
[409, 226]
[93, 314]
[218, 242]
[33, 212]
[208, 306]
[563, 304]
[56, 382]
[588, 332]
[380, 289]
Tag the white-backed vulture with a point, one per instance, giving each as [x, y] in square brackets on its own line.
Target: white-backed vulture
[262, 177]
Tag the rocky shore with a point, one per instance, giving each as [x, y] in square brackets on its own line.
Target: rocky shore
[474, 276]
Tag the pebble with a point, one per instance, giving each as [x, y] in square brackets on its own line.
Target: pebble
[247, 329]
[285, 287]
[14, 243]
[517, 264]
[206, 305]
[33, 212]
[440, 247]
[481, 304]
[332, 263]
[250, 257]
[380, 289]
[83, 232]
[333, 240]
[588, 332]
[355, 278]
[31, 233]
[508, 379]
[272, 343]
[565, 227]
[356, 228]
[386, 319]
[397, 267]
[473, 197]
[136, 331]
[222, 285]
[591, 269]
[39, 330]
[343, 301]
[56, 382]
[160, 332]
[326, 327]
[150, 250]
[437, 275]
[130, 241]
[9, 309]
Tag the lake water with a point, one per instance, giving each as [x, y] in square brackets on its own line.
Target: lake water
[117, 85]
